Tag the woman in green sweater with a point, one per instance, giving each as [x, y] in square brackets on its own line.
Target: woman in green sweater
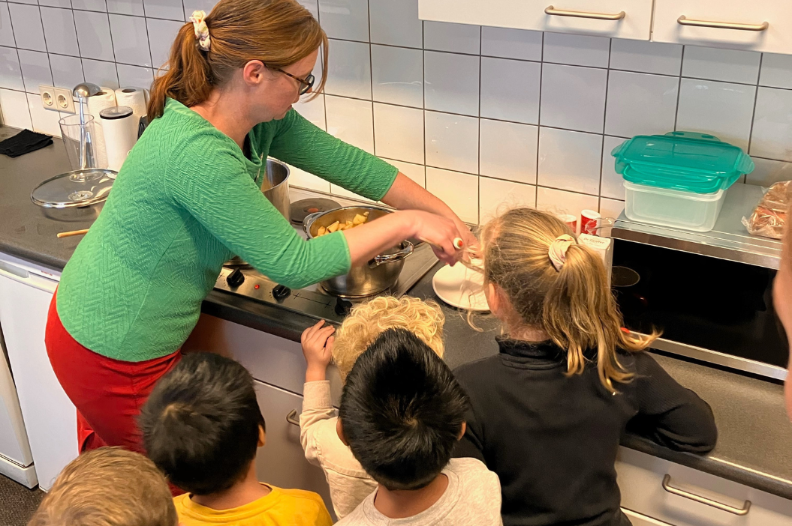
[189, 197]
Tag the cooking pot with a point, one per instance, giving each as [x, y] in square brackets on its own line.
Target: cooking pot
[276, 190]
[379, 274]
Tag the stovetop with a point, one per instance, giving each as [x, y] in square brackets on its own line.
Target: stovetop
[314, 301]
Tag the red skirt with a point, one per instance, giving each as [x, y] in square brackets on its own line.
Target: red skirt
[107, 393]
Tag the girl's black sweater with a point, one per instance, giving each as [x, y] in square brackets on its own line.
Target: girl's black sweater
[552, 439]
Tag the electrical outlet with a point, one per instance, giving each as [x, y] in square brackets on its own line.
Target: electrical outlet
[64, 100]
[48, 97]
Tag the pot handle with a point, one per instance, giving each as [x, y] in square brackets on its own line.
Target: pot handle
[389, 258]
[308, 220]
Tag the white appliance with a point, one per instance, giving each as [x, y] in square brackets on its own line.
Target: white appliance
[16, 462]
[50, 419]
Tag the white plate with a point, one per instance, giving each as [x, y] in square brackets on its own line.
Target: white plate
[460, 287]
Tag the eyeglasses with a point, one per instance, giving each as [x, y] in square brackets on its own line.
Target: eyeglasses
[306, 84]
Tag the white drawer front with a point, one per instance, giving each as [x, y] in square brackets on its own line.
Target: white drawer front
[530, 14]
[776, 38]
[282, 461]
[641, 483]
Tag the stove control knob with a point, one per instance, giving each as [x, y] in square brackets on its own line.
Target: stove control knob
[342, 306]
[235, 279]
[280, 292]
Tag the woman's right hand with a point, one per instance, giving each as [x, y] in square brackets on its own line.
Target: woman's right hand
[438, 231]
[370, 239]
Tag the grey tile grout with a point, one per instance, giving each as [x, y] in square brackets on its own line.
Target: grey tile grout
[604, 119]
[46, 45]
[371, 78]
[423, 102]
[478, 129]
[679, 88]
[753, 112]
[19, 61]
[112, 46]
[539, 118]
[148, 37]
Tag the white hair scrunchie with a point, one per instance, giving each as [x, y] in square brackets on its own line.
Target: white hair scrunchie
[201, 30]
[558, 250]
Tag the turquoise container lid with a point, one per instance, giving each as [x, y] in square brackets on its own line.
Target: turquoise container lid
[687, 161]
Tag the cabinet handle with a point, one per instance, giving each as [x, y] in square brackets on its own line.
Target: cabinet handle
[292, 418]
[584, 14]
[683, 21]
[703, 500]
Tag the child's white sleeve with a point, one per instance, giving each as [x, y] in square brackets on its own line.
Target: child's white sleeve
[318, 415]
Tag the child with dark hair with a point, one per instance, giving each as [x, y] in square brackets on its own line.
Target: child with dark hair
[202, 426]
[401, 413]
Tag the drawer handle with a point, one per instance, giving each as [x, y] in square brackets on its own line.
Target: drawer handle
[584, 14]
[683, 21]
[292, 418]
[703, 500]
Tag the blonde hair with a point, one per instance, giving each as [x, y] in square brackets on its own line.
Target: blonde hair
[108, 486]
[425, 319]
[276, 32]
[573, 305]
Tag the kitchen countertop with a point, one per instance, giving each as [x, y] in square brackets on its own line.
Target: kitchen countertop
[755, 438]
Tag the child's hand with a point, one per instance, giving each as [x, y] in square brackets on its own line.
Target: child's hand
[317, 346]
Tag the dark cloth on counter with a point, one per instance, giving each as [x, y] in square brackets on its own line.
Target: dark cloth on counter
[24, 142]
[552, 439]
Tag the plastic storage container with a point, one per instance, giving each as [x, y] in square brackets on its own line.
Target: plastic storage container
[672, 208]
[678, 179]
[688, 161]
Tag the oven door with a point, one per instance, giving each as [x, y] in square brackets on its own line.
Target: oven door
[706, 308]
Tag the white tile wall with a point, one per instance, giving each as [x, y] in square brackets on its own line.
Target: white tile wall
[351, 120]
[452, 141]
[508, 150]
[451, 82]
[721, 108]
[399, 132]
[573, 97]
[510, 90]
[481, 116]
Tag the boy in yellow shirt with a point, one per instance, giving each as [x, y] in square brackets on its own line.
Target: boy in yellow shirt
[202, 427]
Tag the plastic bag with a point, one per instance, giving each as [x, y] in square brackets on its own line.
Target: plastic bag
[769, 216]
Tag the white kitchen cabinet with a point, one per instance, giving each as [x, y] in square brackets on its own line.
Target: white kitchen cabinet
[281, 461]
[650, 489]
[612, 18]
[50, 418]
[759, 25]
[269, 358]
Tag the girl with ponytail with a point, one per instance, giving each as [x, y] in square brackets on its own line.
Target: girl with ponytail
[189, 197]
[549, 409]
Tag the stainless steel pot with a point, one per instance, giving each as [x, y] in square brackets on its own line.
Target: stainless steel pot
[379, 274]
[276, 186]
[276, 190]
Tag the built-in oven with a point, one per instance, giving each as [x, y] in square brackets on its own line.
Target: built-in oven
[710, 294]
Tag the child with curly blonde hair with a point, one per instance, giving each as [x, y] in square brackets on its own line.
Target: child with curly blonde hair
[348, 481]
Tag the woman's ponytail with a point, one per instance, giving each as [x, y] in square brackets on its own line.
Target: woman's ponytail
[559, 286]
[188, 77]
[277, 32]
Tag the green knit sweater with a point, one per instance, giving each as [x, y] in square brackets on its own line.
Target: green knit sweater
[184, 202]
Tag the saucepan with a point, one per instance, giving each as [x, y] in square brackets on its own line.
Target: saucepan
[379, 274]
